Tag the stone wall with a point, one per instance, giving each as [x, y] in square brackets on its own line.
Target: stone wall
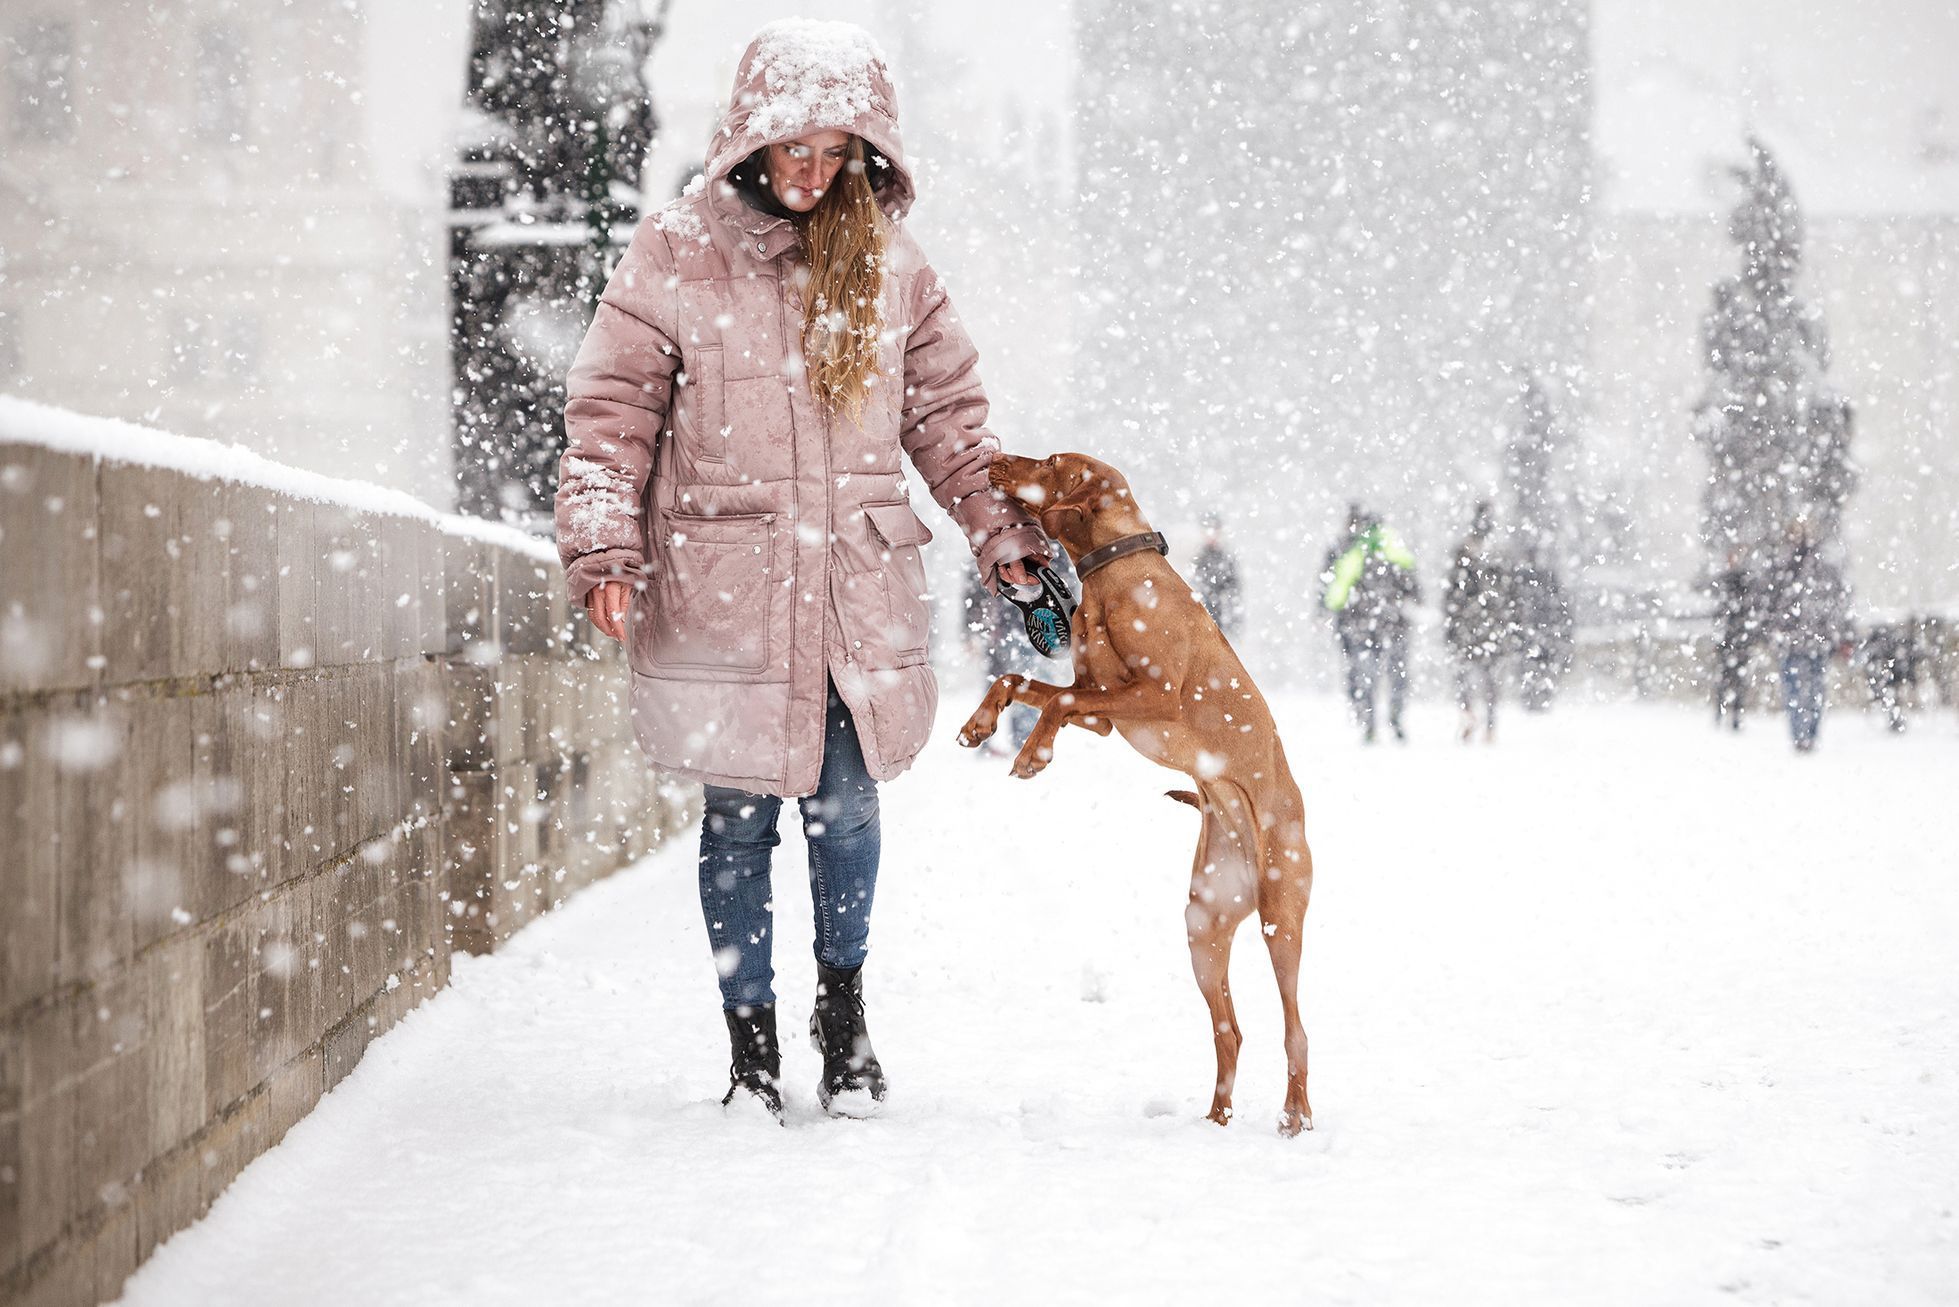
[265, 761]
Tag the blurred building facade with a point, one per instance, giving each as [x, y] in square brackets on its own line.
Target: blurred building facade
[226, 219]
[1320, 248]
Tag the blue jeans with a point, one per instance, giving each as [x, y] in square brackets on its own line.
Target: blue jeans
[1802, 691]
[738, 836]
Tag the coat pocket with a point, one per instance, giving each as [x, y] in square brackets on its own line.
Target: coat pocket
[702, 413]
[898, 534]
[712, 589]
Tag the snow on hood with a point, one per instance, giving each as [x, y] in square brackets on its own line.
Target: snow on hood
[802, 75]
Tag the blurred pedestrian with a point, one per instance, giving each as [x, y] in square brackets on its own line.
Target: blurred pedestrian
[1369, 578]
[1216, 577]
[1737, 630]
[1477, 620]
[1890, 659]
[1544, 630]
[1808, 620]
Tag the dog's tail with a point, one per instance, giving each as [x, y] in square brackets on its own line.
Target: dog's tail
[1184, 796]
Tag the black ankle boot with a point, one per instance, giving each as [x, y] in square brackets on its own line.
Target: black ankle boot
[757, 1057]
[853, 1082]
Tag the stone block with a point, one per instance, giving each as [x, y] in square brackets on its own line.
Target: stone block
[470, 732]
[509, 720]
[287, 1018]
[349, 920]
[310, 726]
[10, 1158]
[432, 889]
[67, 1279]
[175, 972]
[422, 690]
[199, 561]
[300, 562]
[169, 1198]
[433, 546]
[112, 1087]
[161, 573]
[349, 587]
[29, 866]
[79, 815]
[249, 527]
[529, 622]
[231, 1022]
[111, 1246]
[335, 753]
[469, 571]
[41, 1065]
[472, 830]
[399, 585]
[217, 802]
[290, 1093]
[381, 746]
[49, 514]
[151, 838]
[231, 1142]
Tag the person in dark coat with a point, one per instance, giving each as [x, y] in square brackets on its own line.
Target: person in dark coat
[1808, 620]
[1369, 578]
[1737, 631]
[1478, 614]
[1215, 578]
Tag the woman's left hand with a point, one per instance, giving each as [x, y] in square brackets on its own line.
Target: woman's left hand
[1018, 572]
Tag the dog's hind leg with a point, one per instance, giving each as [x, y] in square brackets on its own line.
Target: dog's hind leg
[1285, 885]
[1220, 898]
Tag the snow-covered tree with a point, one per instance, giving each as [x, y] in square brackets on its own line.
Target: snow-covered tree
[547, 190]
[1777, 435]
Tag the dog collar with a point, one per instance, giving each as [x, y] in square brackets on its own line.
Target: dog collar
[1102, 557]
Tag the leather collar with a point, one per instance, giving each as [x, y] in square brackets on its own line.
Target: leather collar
[1106, 554]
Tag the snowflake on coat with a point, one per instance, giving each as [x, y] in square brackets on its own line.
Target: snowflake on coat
[599, 499]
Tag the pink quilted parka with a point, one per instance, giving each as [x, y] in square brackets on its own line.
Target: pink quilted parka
[776, 541]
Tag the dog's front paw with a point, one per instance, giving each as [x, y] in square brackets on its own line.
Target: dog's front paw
[1031, 759]
[978, 729]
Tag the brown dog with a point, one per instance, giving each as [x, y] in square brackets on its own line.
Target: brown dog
[1151, 663]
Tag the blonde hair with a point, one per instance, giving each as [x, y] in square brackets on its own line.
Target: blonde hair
[844, 242]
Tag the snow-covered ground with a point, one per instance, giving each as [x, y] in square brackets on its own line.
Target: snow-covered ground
[1618, 1011]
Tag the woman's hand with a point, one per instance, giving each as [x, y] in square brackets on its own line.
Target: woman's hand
[606, 605]
[1018, 572]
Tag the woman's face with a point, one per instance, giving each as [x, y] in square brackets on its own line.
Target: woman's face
[800, 171]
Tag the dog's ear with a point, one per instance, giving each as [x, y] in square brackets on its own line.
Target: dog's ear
[1056, 519]
[1073, 509]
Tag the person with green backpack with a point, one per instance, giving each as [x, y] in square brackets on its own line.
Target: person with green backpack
[1369, 577]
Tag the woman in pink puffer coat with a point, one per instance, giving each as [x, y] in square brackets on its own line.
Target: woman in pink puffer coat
[732, 506]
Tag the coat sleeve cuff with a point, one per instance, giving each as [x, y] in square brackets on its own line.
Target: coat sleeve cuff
[584, 573]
